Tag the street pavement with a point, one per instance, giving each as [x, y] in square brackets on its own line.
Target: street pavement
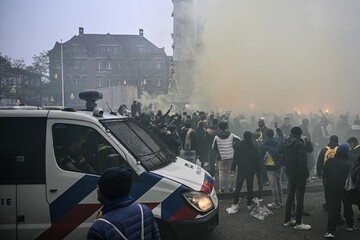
[243, 226]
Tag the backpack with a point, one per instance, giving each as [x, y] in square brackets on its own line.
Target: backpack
[352, 185]
[330, 153]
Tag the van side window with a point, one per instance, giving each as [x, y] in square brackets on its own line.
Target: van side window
[81, 149]
[22, 155]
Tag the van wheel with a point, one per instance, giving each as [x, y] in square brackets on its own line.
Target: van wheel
[165, 231]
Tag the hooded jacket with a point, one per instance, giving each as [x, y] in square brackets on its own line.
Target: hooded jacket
[270, 146]
[336, 171]
[294, 150]
[246, 157]
[125, 214]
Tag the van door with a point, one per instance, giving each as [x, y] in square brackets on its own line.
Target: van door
[24, 212]
[72, 175]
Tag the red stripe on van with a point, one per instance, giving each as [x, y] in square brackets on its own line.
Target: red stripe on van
[70, 221]
[151, 205]
[184, 213]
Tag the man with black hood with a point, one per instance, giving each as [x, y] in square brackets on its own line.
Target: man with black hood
[294, 149]
[121, 217]
[336, 171]
[247, 161]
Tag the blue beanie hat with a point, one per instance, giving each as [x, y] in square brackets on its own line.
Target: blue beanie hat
[343, 150]
[115, 182]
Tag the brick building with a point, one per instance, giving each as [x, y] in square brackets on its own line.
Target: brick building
[96, 61]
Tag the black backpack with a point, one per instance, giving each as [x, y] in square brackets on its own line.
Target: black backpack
[352, 185]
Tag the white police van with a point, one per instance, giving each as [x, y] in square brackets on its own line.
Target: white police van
[43, 198]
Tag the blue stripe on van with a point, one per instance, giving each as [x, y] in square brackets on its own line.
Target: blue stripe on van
[148, 180]
[71, 197]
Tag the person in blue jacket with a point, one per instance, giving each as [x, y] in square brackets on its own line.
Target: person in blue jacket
[121, 217]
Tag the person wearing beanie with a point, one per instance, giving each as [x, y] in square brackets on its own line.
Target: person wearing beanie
[336, 171]
[247, 161]
[121, 217]
[294, 150]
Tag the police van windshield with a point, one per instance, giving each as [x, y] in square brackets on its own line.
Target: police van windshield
[146, 148]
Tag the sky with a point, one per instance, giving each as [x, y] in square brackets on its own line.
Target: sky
[274, 55]
[27, 27]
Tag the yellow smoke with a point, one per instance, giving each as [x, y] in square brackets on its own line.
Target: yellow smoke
[278, 55]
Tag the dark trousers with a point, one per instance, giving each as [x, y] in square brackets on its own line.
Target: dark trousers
[334, 207]
[260, 180]
[212, 159]
[249, 185]
[296, 187]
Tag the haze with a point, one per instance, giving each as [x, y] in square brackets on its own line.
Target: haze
[281, 55]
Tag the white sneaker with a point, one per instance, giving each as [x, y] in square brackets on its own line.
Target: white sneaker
[350, 229]
[292, 222]
[302, 226]
[233, 209]
[273, 205]
[329, 235]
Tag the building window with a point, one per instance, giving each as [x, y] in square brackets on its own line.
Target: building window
[108, 65]
[98, 81]
[98, 64]
[83, 64]
[77, 65]
[119, 65]
[158, 83]
[103, 49]
[115, 50]
[158, 65]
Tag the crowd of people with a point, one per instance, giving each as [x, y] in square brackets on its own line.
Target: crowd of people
[299, 149]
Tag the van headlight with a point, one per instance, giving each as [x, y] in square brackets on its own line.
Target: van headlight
[199, 200]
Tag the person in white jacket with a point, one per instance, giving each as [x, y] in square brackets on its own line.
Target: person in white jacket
[223, 144]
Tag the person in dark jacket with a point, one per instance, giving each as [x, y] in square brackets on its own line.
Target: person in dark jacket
[294, 149]
[120, 216]
[172, 139]
[333, 143]
[201, 149]
[211, 132]
[188, 142]
[354, 153]
[336, 171]
[247, 161]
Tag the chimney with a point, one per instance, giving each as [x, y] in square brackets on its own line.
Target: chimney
[141, 32]
[81, 31]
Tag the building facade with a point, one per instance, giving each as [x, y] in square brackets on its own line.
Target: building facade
[96, 61]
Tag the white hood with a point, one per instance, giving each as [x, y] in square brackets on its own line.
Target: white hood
[184, 172]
